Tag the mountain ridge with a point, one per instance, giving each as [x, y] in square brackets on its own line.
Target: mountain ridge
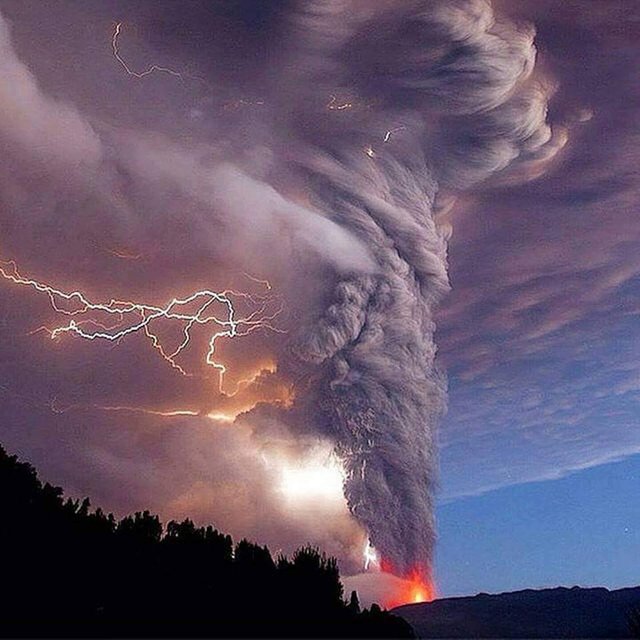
[559, 612]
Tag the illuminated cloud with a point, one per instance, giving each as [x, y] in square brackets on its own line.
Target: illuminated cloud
[50, 130]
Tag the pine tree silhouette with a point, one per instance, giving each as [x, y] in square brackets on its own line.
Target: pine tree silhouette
[69, 571]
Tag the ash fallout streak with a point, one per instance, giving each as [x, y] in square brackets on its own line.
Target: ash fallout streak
[353, 195]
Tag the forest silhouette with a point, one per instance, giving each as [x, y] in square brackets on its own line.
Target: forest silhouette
[71, 571]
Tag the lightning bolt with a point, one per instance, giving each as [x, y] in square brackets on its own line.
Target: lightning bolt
[371, 558]
[264, 283]
[240, 103]
[131, 72]
[390, 132]
[123, 254]
[170, 413]
[333, 105]
[194, 310]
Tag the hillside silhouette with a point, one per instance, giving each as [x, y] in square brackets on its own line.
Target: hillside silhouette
[71, 571]
[545, 613]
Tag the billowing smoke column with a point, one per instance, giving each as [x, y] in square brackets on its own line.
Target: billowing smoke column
[438, 96]
[379, 113]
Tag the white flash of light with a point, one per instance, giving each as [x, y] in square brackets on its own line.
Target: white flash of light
[318, 477]
[371, 559]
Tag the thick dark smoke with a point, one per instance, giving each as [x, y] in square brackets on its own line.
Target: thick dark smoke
[456, 85]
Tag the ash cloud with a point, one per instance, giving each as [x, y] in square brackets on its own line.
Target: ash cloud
[352, 228]
[462, 80]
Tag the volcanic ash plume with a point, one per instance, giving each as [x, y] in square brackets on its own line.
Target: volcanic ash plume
[373, 115]
[444, 98]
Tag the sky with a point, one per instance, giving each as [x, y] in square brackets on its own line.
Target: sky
[581, 530]
[384, 193]
[540, 338]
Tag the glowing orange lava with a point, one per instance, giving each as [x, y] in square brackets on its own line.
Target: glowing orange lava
[416, 587]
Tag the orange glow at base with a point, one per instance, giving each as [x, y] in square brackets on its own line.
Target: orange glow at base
[416, 587]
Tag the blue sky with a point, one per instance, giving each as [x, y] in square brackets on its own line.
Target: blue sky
[583, 529]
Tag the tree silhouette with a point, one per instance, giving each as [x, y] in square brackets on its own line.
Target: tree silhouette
[69, 571]
[354, 603]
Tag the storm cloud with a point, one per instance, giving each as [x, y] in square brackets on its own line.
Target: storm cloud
[334, 178]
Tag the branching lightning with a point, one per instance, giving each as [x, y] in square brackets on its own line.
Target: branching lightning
[202, 308]
[131, 72]
[264, 283]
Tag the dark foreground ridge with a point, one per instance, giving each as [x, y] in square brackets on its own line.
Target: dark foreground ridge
[548, 613]
[69, 571]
